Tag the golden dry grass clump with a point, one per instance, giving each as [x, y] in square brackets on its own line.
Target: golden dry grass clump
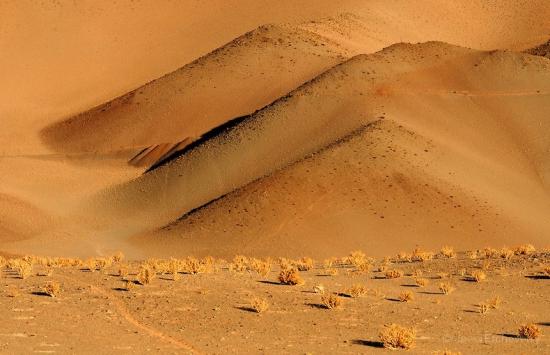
[406, 296]
[23, 267]
[393, 274]
[262, 267]
[421, 255]
[494, 302]
[128, 285]
[331, 301]
[290, 276]
[448, 252]
[394, 336]
[319, 289]
[145, 275]
[476, 276]
[524, 249]
[529, 331]
[483, 308]
[259, 305]
[404, 257]
[421, 282]
[446, 288]
[52, 289]
[239, 264]
[304, 264]
[357, 290]
[506, 253]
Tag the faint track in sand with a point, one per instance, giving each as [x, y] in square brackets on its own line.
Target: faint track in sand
[123, 311]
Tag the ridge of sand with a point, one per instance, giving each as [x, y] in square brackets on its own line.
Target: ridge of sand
[200, 96]
[500, 182]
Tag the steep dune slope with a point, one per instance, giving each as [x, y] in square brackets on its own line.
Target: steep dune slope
[204, 94]
[90, 53]
[475, 164]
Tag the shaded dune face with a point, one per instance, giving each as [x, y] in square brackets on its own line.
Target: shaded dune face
[465, 173]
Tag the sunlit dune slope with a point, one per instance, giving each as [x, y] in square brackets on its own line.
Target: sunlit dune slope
[204, 94]
[458, 154]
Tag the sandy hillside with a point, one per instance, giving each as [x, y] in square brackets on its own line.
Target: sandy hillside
[279, 123]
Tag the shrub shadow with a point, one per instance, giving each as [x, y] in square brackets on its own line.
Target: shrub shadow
[372, 344]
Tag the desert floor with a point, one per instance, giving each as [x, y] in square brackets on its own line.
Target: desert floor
[210, 312]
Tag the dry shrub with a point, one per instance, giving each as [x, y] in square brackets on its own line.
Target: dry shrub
[90, 264]
[529, 331]
[304, 264]
[290, 276]
[328, 263]
[483, 308]
[421, 282]
[446, 288]
[52, 289]
[357, 257]
[331, 272]
[193, 266]
[462, 272]
[331, 301]
[24, 269]
[319, 289]
[443, 275]
[524, 249]
[476, 276]
[145, 275]
[417, 273]
[259, 305]
[448, 252]
[506, 253]
[239, 264]
[421, 255]
[393, 274]
[394, 336]
[406, 296]
[128, 285]
[546, 270]
[262, 267]
[123, 271]
[404, 257]
[491, 252]
[3, 261]
[118, 257]
[472, 254]
[48, 271]
[174, 269]
[357, 290]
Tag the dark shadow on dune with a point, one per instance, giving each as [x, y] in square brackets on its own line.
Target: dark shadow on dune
[538, 277]
[430, 293]
[372, 344]
[544, 324]
[409, 285]
[120, 289]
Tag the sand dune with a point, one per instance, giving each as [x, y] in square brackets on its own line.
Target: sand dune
[78, 119]
[476, 169]
[200, 96]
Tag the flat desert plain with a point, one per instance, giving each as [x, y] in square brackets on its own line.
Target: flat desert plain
[261, 176]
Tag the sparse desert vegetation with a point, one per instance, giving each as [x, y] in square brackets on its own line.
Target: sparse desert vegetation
[202, 284]
[394, 336]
